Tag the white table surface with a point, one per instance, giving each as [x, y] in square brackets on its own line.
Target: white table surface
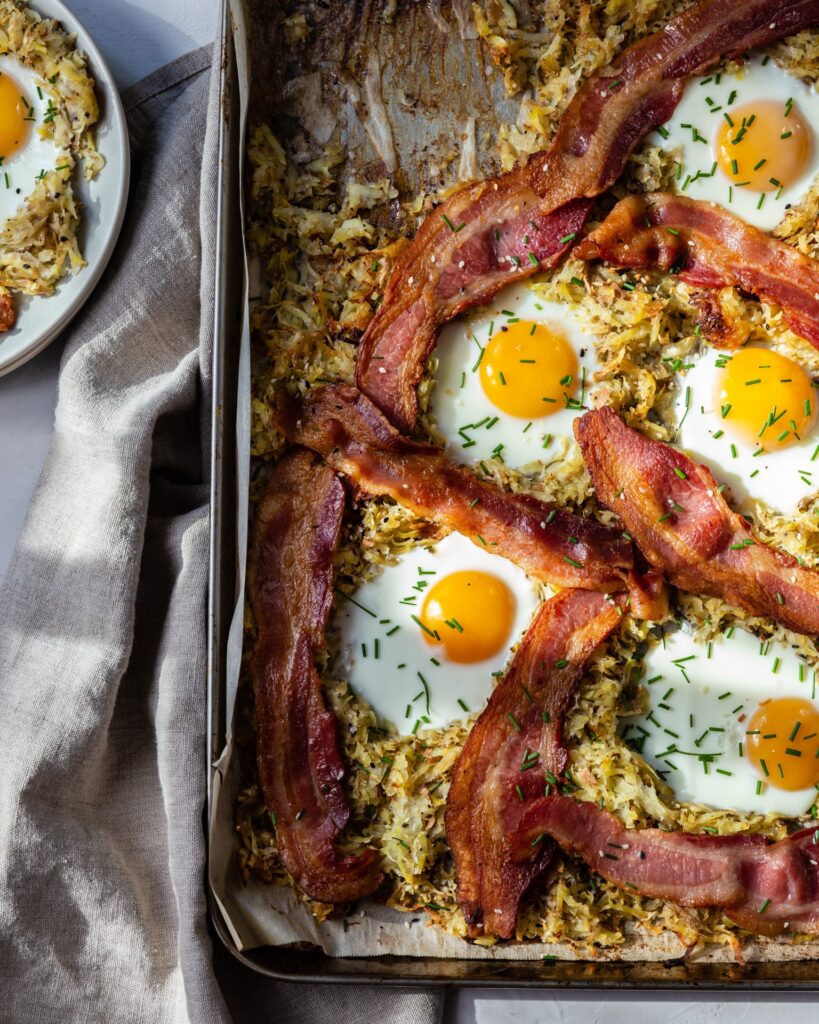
[137, 36]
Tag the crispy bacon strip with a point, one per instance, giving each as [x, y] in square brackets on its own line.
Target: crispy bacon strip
[7, 314]
[680, 522]
[504, 229]
[709, 247]
[554, 545]
[513, 749]
[766, 887]
[290, 580]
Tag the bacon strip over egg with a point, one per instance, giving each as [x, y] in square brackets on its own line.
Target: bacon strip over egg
[504, 229]
[514, 750]
[673, 509]
[765, 887]
[290, 578]
[708, 247]
[553, 545]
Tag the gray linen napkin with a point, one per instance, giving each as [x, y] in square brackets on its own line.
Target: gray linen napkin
[102, 638]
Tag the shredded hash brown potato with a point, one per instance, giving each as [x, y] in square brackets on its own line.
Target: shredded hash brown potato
[326, 256]
[38, 243]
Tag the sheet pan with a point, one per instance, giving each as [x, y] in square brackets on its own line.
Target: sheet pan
[254, 926]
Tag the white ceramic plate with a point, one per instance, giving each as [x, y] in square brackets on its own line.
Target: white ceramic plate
[41, 318]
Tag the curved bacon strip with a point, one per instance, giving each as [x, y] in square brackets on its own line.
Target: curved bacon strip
[766, 887]
[501, 768]
[502, 230]
[7, 314]
[290, 580]
[710, 248]
[680, 522]
[344, 427]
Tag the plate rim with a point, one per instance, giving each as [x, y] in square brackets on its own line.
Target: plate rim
[103, 77]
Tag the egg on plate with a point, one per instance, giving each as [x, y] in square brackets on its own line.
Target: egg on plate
[733, 723]
[745, 140]
[511, 379]
[422, 641]
[48, 110]
[27, 149]
[751, 416]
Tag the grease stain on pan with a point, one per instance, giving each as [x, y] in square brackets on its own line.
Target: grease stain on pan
[403, 96]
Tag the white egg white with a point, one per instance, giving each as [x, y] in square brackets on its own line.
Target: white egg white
[700, 699]
[475, 428]
[408, 682]
[760, 79]
[18, 173]
[780, 478]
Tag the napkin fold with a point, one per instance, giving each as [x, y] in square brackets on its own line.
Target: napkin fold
[102, 637]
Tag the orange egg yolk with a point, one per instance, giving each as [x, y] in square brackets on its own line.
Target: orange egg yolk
[470, 614]
[765, 399]
[766, 146]
[783, 742]
[529, 370]
[14, 112]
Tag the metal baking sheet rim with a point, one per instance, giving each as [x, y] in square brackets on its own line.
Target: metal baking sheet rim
[227, 539]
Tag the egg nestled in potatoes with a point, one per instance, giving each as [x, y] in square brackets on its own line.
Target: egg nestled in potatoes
[751, 415]
[48, 111]
[14, 117]
[27, 148]
[745, 140]
[511, 379]
[422, 641]
[731, 723]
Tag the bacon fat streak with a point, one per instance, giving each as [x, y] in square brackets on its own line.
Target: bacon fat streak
[673, 509]
[502, 230]
[513, 751]
[553, 545]
[709, 247]
[290, 578]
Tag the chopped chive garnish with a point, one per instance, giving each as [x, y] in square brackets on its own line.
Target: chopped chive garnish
[426, 629]
[450, 225]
